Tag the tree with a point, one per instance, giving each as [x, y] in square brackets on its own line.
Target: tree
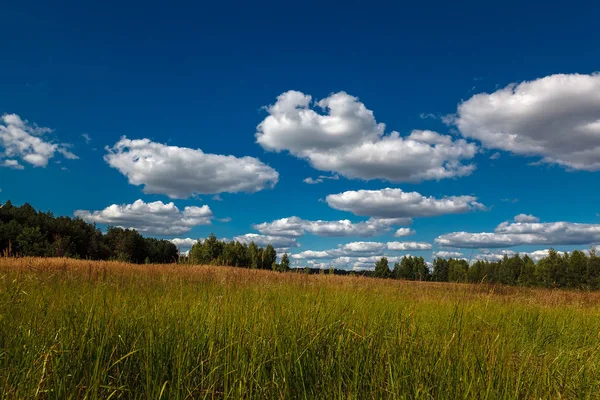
[284, 264]
[253, 255]
[476, 271]
[593, 272]
[527, 275]
[441, 268]
[32, 242]
[457, 270]
[577, 269]
[382, 270]
[269, 257]
[550, 270]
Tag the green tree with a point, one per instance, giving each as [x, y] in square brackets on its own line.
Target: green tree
[441, 268]
[253, 255]
[593, 272]
[32, 242]
[269, 256]
[457, 270]
[577, 270]
[527, 275]
[284, 265]
[382, 270]
[550, 270]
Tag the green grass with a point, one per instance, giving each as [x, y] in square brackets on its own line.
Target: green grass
[75, 329]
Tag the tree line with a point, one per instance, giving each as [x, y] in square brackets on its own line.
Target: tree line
[567, 270]
[27, 232]
[235, 254]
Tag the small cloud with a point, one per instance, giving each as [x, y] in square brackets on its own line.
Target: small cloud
[312, 181]
[87, 138]
[64, 168]
[510, 200]
[526, 218]
[216, 197]
[448, 119]
[428, 115]
[401, 232]
[14, 164]
[226, 219]
[333, 177]
[495, 156]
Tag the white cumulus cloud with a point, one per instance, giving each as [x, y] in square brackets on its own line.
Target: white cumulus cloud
[509, 234]
[295, 226]
[556, 118]
[448, 254]
[155, 218]
[181, 172]
[395, 203]
[406, 246]
[20, 140]
[279, 242]
[526, 218]
[402, 232]
[184, 243]
[339, 134]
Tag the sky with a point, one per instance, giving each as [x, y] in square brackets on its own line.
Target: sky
[337, 133]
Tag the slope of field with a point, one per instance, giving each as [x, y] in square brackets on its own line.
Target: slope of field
[79, 329]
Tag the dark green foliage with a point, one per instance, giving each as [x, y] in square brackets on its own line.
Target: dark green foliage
[212, 251]
[382, 269]
[284, 265]
[411, 268]
[441, 267]
[27, 232]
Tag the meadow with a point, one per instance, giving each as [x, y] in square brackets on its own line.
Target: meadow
[74, 329]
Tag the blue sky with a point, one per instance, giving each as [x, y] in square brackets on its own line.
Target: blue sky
[240, 103]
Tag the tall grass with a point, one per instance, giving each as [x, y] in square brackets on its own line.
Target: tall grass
[78, 329]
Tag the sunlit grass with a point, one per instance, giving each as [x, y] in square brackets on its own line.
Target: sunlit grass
[78, 329]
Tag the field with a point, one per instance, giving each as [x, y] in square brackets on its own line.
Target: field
[79, 329]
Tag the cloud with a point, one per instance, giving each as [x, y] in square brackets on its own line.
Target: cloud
[20, 140]
[447, 254]
[509, 234]
[406, 246]
[312, 181]
[526, 218]
[279, 242]
[156, 218]
[536, 255]
[402, 232]
[183, 243]
[181, 172]
[87, 138]
[295, 227]
[361, 249]
[345, 138]
[357, 263]
[556, 118]
[394, 203]
[495, 156]
[14, 164]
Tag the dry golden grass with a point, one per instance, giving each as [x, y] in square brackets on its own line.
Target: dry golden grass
[82, 329]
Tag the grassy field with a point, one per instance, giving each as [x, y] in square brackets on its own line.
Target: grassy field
[79, 329]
